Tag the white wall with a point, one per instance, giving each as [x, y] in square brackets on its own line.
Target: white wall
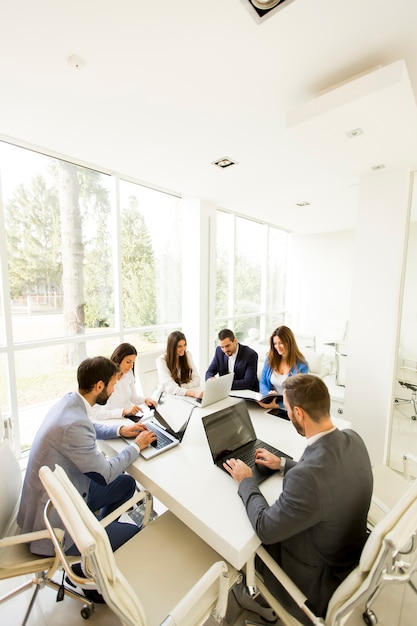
[358, 276]
[380, 247]
[408, 332]
[319, 282]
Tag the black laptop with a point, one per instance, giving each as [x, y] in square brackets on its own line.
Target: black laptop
[230, 434]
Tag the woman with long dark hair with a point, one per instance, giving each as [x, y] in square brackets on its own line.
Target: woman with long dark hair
[177, 372]
[125, 399]
[284, 359]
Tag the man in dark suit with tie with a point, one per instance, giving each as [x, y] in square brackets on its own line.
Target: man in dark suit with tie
[317, 527]
[231, 356]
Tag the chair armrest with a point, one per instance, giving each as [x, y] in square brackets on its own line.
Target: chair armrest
[28, 537]
[179, 613]
[137, 497]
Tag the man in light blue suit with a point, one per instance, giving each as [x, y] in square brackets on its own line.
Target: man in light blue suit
[67, 437]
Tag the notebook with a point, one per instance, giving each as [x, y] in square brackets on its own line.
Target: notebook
[215, 389]
[254, 396]
[230, 434]
[169, 422]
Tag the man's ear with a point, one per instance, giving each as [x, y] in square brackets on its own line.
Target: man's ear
[298, 411]
[99, 386]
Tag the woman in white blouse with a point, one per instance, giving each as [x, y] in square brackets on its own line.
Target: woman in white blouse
[177, 373]
[125, 399]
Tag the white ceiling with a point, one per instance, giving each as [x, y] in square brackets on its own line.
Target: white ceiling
[169, 86]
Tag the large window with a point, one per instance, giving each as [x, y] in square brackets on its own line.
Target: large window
[84, 265]
[250, 277]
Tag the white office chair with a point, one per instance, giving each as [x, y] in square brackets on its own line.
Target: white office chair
[389, 486]
[15, 556]
[178, 577]
[389, 558]
[145, 370]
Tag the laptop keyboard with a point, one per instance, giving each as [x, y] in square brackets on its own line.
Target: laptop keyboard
[162, 440]
[248, 457]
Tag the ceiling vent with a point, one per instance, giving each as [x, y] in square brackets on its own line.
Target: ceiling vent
[262, 9]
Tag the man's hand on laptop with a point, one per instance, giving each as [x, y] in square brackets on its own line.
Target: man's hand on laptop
[143, 436]
[267, 459]
[237, 469]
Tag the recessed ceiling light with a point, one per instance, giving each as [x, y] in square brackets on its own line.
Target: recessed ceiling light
[75, 61]
[261, 9]
[354, 133]
[380, 166]
[305, 203]
[224, 162]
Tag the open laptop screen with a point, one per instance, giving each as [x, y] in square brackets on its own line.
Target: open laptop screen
[172, 413]
[228, 430]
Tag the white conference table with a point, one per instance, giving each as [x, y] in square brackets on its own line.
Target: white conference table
[205, 497]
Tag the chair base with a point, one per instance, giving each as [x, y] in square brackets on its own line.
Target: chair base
[40, 581]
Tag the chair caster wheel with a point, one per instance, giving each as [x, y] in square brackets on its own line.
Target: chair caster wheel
[369, 618]
[86, 611]
[414, 417]
[340, 411]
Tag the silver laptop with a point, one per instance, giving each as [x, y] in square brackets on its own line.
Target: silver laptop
[169, 422]
[230, 434]
[215, 389]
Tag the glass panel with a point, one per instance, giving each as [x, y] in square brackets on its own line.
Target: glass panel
[224, 263]
[276, 275]
[150, 341]
[250, 266]
[58, 225]
[43, 376]
[4, 396]
[272, 321]
[151, 256]
[250, 278]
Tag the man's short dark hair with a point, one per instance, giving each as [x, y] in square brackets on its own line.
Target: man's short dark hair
[310, 393]
[93, 370]
[226, 333]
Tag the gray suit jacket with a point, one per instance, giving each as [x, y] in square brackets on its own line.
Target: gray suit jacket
[67, 437]
[317, 527]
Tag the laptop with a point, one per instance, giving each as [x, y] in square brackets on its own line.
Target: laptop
[230, 434]
[169, 422]
[215, 389]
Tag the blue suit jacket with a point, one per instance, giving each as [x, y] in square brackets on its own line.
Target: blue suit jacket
[246, 366]
[265, 384]
[67, 437]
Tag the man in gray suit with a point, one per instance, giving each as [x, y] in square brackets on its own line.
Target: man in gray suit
[317, 528]
[67, 437]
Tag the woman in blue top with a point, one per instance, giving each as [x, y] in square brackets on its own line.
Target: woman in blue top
[283, 359]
